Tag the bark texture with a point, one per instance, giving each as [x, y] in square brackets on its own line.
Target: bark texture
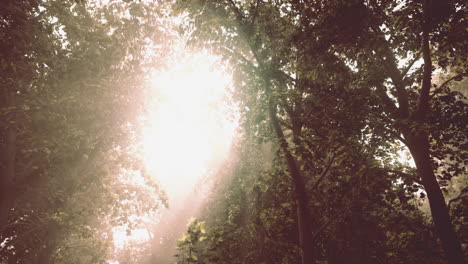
[419, 148]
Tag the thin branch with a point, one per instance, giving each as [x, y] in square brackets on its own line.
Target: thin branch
[14, 224]
[321, 228]
[240, 56]
[283, 74]
[255, 13]
[455, 199]
[324, 173]
[240, 16]
[410, 65]
[241, 24]
[388, 120]
[442, 86]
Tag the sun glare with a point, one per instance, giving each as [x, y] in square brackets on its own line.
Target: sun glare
[188, 128]
[122, 237]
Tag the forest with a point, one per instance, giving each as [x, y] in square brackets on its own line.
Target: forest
[233, 131]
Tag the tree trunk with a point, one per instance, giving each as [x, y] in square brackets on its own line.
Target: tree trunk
[419, 148]
[303, 218]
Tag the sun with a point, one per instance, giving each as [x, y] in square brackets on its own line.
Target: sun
[188, 129]
[189, 126]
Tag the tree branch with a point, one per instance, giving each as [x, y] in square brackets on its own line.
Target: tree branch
[389, 121]
[389, 62]
[324, 173]
[255, 13]
[239, 15]
[442, 86]
[415, 59]
[423, 105]
[460, 197]
[240, 56]
[321, 228]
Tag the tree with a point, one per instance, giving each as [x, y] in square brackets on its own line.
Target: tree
[365, 215]
[291, 59]
[68, 121]
[409, 108]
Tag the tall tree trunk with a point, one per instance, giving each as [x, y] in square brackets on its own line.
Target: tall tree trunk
[303, 218]
[419, 148]
[418, 144]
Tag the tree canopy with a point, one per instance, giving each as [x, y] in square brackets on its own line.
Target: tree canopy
[341, 87]
[352, 144]
[69, 96]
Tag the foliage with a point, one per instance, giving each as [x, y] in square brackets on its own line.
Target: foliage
[349, 83]
[68, 125]
[188, 244]
[331, 94]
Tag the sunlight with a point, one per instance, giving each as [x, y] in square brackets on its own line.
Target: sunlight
[135, 187]
[188, 128]
[122, 238]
